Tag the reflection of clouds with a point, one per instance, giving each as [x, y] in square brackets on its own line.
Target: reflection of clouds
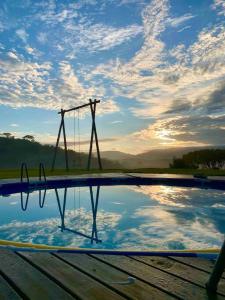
[47, 232]
[166, 195]
[161, 230]
[182, 196]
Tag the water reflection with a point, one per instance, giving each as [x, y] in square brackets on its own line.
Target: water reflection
[24, 200]
[42, 198]
[182, 196]
[141, 217]
[94, 206]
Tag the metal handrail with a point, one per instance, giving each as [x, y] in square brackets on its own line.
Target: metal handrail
[42, 172]
[24, 167]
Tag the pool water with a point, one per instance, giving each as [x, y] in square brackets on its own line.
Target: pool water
[115, 217]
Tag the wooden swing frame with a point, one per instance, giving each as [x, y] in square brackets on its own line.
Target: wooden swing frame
[92, 105]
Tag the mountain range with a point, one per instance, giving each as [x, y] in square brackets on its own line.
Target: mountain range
[157, 158]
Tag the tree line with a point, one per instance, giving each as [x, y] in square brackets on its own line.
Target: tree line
[14, 151]
[201, 159]
[9, 135]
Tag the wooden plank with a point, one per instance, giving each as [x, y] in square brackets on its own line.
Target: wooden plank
[6, 291]
[167, 282]
[198, 263]
[184, 271]
[77, 282]
[108, 275]
[31, 282]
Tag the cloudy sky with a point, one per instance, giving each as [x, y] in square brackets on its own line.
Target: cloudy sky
[157, 66]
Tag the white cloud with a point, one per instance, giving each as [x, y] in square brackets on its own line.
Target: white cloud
[14, 125]
[30, 84]
[12, 55]
[194, 74]
[175, 22]
[184, 28]
[219, 5]
[98, 37]
[81, 33]
[22, 34]
[42, 37]
[32, 51]
[117, 122]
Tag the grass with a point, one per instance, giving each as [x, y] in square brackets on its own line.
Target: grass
[12, 173]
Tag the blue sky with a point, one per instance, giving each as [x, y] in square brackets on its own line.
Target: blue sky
[158, 68]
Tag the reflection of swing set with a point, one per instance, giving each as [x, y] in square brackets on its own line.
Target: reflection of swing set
[62, 208]
[92, 105]
[94, 206]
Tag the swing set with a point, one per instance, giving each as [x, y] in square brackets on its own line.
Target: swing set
[92, 105]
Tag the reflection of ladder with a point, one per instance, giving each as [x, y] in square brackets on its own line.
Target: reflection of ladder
[217, 272]
[94, 205]
[41, 175]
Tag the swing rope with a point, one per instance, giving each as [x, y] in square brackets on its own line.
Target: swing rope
[74, 139]
[78, 130]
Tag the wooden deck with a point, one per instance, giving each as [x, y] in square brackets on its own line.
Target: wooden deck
[26, 275]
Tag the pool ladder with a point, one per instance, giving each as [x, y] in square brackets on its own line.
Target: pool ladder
[24, 168]
[41, 173]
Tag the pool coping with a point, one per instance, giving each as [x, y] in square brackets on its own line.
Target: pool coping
[11, 186]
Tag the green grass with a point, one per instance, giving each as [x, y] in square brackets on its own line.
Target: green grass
[10, 173]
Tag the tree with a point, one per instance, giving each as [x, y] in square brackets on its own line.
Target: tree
[178, 163]
[207, 158]
[29, 137]
[8, 135]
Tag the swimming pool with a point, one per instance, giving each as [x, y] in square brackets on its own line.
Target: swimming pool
[130, 216]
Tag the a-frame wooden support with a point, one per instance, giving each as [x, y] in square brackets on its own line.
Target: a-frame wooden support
[93, 134]
[62, 129]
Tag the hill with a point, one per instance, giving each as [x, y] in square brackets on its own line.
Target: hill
[14, 151]
[157, 158]
[116, 155]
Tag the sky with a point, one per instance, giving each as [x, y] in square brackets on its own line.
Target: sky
[158, 68]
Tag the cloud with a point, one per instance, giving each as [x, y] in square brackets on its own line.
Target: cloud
[32, 51]
[184, 28]
[98, 37]
[116, 122]
[185, 131]
[165, 80]
[81, 32]
[30, 84]
[175, 22]
[22, 34]
[42, 37]
[220, 6]
[178, 107]
[128, 2]
[14, 125]
[12, 55]
[216, 100]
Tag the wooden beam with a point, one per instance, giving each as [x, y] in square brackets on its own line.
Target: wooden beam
[78, 107]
